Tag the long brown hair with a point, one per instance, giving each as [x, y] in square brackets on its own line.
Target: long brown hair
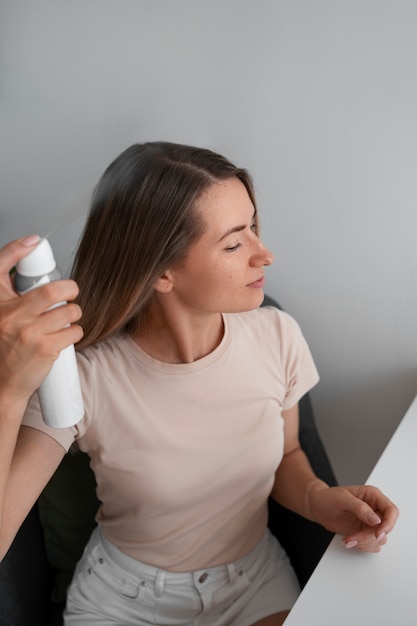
[141, 222]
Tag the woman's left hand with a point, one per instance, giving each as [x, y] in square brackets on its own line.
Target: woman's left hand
[363, 514]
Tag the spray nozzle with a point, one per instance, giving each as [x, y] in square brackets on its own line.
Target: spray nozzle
[38, 262]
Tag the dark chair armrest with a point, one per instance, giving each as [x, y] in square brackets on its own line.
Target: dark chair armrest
[304, 541]
[25, 578]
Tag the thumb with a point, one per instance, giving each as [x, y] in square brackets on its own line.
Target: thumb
[364, 512]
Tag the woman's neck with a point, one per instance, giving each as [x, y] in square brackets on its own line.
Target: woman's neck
[178, 335]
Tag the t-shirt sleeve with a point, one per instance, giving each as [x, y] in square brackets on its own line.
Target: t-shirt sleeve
[300, 372]
[33, 419]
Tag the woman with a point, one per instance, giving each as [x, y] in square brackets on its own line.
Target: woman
[191, 395]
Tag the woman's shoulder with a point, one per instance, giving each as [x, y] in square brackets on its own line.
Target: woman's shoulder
[268, 318]
[271, 330]
[104, 354]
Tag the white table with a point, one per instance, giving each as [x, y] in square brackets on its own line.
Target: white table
[350, 588]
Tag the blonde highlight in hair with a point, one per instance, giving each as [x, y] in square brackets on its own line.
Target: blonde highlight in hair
[142, 221]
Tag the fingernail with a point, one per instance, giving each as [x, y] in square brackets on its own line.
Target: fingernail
[30, 241]
[351, 544]
[373, 518]
[381, 536]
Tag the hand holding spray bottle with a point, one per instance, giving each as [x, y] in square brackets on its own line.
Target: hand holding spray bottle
[60, 394]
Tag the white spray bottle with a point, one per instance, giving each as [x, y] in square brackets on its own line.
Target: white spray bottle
[60, 394]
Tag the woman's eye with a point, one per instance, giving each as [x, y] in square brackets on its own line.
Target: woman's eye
[233, 248]
[254, 228]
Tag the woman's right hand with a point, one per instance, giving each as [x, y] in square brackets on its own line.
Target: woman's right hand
[31, 336]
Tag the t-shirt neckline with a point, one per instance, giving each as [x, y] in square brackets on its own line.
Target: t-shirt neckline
[149, 362]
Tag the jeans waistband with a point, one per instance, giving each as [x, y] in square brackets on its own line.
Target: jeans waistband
[143, 570]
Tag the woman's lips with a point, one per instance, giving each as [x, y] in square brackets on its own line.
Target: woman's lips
[258, 284]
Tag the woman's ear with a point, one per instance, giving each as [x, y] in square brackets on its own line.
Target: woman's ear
[165, 283]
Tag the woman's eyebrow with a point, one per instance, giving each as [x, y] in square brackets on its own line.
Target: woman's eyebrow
[236, 229]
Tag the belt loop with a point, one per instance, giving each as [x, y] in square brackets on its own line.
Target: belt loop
[159, 583]
[129, 589]
[231, 570]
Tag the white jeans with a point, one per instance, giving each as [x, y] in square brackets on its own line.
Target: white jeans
[111, 588]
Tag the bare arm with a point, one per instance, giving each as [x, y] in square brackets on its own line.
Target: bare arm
[363, 514]
[35, 459]
[294, 477]
[31, 338]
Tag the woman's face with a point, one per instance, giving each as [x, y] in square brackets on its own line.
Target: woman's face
[224, 269]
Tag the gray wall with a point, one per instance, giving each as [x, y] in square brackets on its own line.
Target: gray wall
[318, 99]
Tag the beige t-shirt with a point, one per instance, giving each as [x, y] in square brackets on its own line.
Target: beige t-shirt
[185, 454]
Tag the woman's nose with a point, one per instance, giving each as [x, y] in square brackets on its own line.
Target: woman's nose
[263, 256]
[269, 257]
